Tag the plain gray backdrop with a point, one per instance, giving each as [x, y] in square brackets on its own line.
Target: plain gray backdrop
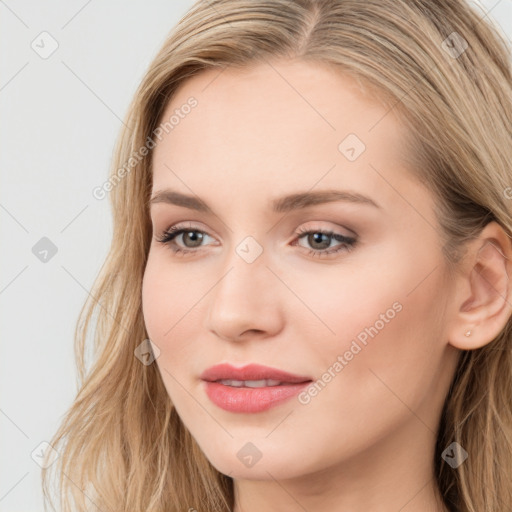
[61, 110]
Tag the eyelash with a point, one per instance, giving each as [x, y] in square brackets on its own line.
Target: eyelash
[347, 245]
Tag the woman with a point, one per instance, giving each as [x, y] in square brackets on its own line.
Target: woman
[306, 304]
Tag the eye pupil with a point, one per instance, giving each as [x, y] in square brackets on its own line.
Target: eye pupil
[317, 238]
[195, 236]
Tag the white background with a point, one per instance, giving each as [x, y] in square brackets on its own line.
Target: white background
[60, 118]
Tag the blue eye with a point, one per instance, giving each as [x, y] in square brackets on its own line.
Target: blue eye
[314, 237]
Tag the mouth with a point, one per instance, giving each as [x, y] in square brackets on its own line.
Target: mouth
[264, 383]
[252, 388]
[254, 375]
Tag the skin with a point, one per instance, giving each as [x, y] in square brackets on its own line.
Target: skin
[366, 440]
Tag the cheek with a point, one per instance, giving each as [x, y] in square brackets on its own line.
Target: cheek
[173, 310]
[167, 310]
[377, 369]
[391, 305]
[156, 305]
[383, 311]
[389, 341]
[352, 304]
[167, 299]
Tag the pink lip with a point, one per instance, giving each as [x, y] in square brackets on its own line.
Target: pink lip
[250, 372]
[250, 400]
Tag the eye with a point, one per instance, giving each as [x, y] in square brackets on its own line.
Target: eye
[190, 237]
[320, 240]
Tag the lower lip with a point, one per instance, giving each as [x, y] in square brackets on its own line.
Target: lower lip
[245, 399]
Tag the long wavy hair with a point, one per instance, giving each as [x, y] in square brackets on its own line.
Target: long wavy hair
[446, 71]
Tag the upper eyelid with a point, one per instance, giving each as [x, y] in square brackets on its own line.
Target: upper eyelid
[178, 227]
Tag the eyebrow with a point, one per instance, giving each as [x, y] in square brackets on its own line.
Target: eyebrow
[279, 205]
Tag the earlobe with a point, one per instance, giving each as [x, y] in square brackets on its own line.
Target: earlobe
[485, 292]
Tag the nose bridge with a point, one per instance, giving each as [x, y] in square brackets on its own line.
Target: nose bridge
[242, 299]
[245, 269]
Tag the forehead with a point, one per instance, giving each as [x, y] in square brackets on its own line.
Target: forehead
[285, 123]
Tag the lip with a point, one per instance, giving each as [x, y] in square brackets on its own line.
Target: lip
[250, 372]
[247, 399]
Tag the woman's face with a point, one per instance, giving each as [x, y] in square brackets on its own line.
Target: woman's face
[357, 316]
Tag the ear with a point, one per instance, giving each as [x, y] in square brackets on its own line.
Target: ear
[483, 295]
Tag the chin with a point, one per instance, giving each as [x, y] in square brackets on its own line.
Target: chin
[274, 465]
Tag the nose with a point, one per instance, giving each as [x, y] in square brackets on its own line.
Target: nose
[246, 301]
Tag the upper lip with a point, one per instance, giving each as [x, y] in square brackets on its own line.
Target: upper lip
[227, 371]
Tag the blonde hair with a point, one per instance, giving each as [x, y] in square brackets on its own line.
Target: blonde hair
[122, 445]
